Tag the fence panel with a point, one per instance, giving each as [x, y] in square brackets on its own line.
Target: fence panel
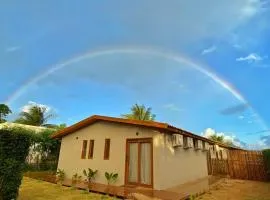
[247, 165]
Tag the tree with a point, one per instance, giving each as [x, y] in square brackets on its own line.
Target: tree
[220, 138]
[4, 111]
[36, 116]
[140, 112]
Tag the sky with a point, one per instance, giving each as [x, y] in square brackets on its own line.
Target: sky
[200, 65]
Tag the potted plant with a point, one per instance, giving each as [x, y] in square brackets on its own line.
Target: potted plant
[60, 176]
[111, 177]
[90, 176]
[75, 179]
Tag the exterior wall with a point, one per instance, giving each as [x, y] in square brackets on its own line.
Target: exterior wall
[71, 148]
[178, 165]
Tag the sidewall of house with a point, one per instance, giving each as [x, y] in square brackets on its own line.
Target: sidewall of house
[178, 166]
[71, 148]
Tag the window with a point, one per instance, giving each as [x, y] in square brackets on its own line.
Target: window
[203, 145]
[91, 149]
[107, 149]
[84, 147]
[185, 140]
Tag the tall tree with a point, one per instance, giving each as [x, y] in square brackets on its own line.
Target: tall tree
[35, 116]
[220, 138]
[140, 112]
[4, 112]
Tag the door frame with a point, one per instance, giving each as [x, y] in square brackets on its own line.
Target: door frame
[139, 140]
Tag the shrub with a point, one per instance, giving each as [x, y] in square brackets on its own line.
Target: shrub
[111, 177]
[14, 148]
[60, 176]
[90, 176]
[75, 179]
[266, 157]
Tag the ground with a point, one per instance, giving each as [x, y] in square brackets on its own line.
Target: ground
[40, 190]
[226, 190]
[238, 190]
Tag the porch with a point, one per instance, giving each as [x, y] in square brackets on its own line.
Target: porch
[124, 192]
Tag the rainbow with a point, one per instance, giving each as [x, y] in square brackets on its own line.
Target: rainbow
[132, 50]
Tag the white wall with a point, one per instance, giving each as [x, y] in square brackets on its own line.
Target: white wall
[178, 166]
[70, 153]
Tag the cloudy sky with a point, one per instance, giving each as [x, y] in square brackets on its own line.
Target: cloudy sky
[201, 65]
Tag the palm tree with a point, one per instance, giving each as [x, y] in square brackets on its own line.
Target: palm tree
[4, 111]
[140, 112]
[220, 138]
[217, 138]
[36, 116]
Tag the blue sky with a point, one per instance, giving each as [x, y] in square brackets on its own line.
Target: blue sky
[190, 61]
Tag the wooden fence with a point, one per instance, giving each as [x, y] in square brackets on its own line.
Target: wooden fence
[240, 164]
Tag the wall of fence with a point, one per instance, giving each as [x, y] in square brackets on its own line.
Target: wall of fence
[248, 165]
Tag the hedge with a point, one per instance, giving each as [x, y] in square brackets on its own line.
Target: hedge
[266, 156]
[14, 148]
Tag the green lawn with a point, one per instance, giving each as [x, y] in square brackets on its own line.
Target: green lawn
[39, 190]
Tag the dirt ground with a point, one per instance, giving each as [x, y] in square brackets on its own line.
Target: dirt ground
[230, 189]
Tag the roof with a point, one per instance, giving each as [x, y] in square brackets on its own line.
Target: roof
[169, 129]
[16, 125]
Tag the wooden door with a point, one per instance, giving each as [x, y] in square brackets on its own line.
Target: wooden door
[139, 162]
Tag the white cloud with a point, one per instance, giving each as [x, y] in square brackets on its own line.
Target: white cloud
[253, 57]
[227, 138]
[241, 117]
[32, 103]
[209, 50]
[172, 107]
[13, 48]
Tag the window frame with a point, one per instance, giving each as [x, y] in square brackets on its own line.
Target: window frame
[84, 149]
[91, 149]
[107, 147]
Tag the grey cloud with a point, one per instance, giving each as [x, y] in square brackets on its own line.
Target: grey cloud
[235, 109]
[185, 20]
[266, 140]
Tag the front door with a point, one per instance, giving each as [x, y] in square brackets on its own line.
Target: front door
[139, 162]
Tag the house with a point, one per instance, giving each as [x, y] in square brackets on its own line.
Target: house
[143, 153]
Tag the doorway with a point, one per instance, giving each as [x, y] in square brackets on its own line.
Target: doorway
[139, 162]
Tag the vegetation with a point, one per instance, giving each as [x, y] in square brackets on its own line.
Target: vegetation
[111, 177]
[14, 148]
[220, 138]
[266, 156]
[32, 189]
[90, 176]
[36, 116]
[60, 176]
[4, 112]
[140, 112]
[76, 179]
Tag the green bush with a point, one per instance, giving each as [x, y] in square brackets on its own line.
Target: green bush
[14, 148]
[266, 156]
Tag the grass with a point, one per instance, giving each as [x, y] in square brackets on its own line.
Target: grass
[40, 190]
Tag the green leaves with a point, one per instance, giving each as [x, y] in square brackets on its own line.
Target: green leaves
[14, 148]
[90, 174]
[36, 116]
[140, 112]
[60, 176]
[111, 177]
[4, 111]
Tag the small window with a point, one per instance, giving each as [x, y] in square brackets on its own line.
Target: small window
[185, 141]
[203, 145]
[107, 149]
[91, 149]
[84, 147]
[220, 153]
